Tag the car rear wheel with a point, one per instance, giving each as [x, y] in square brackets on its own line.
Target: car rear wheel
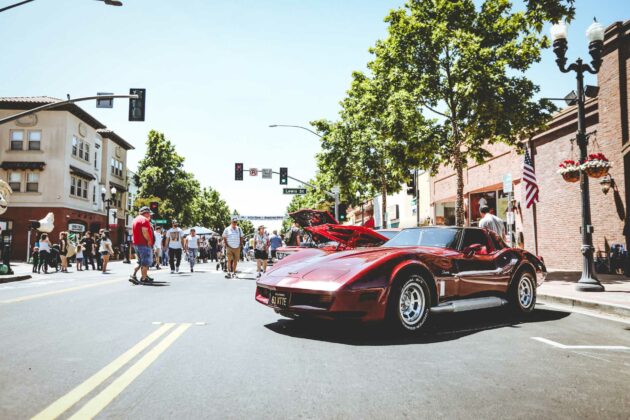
[410, 303]
[523, 293]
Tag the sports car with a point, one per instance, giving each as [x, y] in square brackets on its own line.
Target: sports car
[418, 273]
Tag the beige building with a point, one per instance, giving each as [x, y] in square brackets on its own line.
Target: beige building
[60, 161]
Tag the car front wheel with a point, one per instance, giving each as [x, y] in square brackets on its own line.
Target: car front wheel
[523, 293]
[410, 303]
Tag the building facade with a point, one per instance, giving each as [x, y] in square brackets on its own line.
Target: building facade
[551, 228]
[60, 161]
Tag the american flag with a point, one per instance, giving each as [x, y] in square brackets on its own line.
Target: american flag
[529, 176]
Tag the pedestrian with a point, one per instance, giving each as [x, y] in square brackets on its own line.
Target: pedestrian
[174, 238]
[106, 250]
[275, 242]
[143, 241]
[44, 251]
[491, 222]
[63, 251]
[97, 247]
[157, 246]
[35, 256]
[79, 257]
[233, 241]
[214, 245]
[261, 250]
[192, 248]
[292, 237]
[88, 250]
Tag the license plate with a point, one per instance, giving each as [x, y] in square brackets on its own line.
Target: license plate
[280, 299]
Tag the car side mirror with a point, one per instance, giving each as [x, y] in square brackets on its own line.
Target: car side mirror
[469, 251]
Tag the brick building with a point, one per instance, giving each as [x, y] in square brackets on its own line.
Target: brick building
[552, 229]
[59, 161]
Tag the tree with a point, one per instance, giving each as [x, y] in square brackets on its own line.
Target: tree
[161, 174]
[212, 212]
[465, 66]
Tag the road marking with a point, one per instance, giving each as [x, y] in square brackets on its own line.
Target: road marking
[58, 292]
[106, 396]
[586, 312]
[564, 346]
[71, 398]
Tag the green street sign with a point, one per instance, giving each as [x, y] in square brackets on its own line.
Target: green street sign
[294, 191]
[160, 221]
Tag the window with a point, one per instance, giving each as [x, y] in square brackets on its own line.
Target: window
[96, 160]
[15, 181]
[474, 236]
[78, 187]
[80, 149]
[34, 140]
[117, 167]
[32, 182]
[94, 194]
[17, 139]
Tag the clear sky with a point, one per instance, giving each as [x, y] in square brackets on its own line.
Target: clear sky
[217, 73]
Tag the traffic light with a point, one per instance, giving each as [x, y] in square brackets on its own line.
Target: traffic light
[284, 176]
[136, 106]
[411, 185]
[154, 207]
[343, 209]
[238, 171]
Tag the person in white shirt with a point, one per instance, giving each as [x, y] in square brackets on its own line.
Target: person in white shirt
[157, 246]
[491, 222]
[233, 240]
[174, 242]
[192, 248]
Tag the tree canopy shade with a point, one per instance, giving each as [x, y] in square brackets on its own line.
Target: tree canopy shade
[464, 66]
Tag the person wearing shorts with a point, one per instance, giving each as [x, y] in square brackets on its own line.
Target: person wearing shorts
[261, 250]
[143, 242]
[233, 241]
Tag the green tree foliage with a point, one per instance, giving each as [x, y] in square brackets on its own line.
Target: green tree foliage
[212, 211]
[464, 65]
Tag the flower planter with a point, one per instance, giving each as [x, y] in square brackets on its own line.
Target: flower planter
[596, 165]
[573, 176]
[597, 172]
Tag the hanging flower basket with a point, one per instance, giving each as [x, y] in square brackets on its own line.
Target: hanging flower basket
[596, 165]
[570, 171]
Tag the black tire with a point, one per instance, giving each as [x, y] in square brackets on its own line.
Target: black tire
[409, 304]
[522, 296]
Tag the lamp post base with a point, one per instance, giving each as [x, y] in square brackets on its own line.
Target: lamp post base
[589, 285]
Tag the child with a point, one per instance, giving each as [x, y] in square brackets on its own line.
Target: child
[36, 264]
[79, 257]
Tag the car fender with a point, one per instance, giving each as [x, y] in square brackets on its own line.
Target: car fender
[526, 264]
[414, 265]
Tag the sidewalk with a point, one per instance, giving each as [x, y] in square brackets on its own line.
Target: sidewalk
[21, 271]
[559, 288]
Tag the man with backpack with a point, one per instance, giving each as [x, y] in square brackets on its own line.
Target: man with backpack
[233, 241]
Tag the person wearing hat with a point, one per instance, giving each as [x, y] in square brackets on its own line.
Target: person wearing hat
[143, 239]
[261, 250]
[174, 242]
[233, 240]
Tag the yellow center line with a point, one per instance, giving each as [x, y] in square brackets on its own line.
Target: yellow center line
[106, 396]
[71, 398]
[58, 292]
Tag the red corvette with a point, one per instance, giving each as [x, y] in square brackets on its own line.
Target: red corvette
[419, 272]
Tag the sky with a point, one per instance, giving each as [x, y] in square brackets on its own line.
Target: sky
[218, 73]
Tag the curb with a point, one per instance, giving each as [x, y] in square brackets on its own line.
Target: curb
[12, 278]
[606, 308]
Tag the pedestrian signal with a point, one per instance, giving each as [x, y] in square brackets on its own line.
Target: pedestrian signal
[343, 209]
[238, 171]
[154, 207]
[137, 106]
[284, 176]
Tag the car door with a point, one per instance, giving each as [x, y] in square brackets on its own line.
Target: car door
[486, 271]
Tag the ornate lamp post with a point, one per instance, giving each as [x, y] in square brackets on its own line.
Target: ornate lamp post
[108, 201]
[595, 35]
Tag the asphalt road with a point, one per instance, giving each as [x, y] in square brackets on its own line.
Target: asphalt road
[84, 345]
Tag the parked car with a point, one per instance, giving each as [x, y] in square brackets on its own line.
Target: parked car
[418, 273]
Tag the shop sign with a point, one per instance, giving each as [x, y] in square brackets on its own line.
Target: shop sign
[76, 227]
[507, 183]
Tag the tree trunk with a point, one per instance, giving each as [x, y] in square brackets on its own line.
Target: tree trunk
[384, 206]
[459, 169]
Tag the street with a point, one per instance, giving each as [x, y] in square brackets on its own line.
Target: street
[201, 347]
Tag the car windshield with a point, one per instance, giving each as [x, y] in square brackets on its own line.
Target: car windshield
[431, 237]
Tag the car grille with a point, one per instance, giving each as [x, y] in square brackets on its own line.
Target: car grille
[316, 300]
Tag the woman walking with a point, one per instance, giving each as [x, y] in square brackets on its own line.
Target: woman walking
[261, 250]
[192, 247]
[105, 249]
[44, 251]
[63, 251]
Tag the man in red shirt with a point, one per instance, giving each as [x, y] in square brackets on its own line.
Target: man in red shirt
[143, 242]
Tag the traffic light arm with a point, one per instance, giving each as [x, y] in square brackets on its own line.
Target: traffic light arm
[62, 103]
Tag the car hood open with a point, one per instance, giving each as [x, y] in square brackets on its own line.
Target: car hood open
[308, 217]
[347, 236]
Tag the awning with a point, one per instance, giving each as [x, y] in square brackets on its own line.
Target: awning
[81, 173]
[23, 165]
[119, 187]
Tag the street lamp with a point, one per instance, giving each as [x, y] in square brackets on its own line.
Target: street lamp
[595, 35]
[296, 126]
[360, 198]
[108, 201]
[107, 2]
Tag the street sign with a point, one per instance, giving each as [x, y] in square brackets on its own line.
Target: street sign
[104, 103]
[253, 172]
[507, 183]
[335, 189]
[294, 191]
[160, 221]
[266, 173]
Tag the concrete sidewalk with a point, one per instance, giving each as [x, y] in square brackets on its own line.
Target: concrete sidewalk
[559, 288]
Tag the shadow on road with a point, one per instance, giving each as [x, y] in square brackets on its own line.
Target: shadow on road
[444, 327]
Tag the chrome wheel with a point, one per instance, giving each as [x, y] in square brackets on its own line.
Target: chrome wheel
[525, 291]
[411, 303]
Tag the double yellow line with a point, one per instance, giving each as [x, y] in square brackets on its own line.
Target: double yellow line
[107, 395]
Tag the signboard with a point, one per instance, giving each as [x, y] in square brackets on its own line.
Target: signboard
[335, 189]
[507, 183]
[262, 217]
[253, 172]
[104, 103]
[294, 191]
[266, 173]
[76, 227]
[160, 221]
